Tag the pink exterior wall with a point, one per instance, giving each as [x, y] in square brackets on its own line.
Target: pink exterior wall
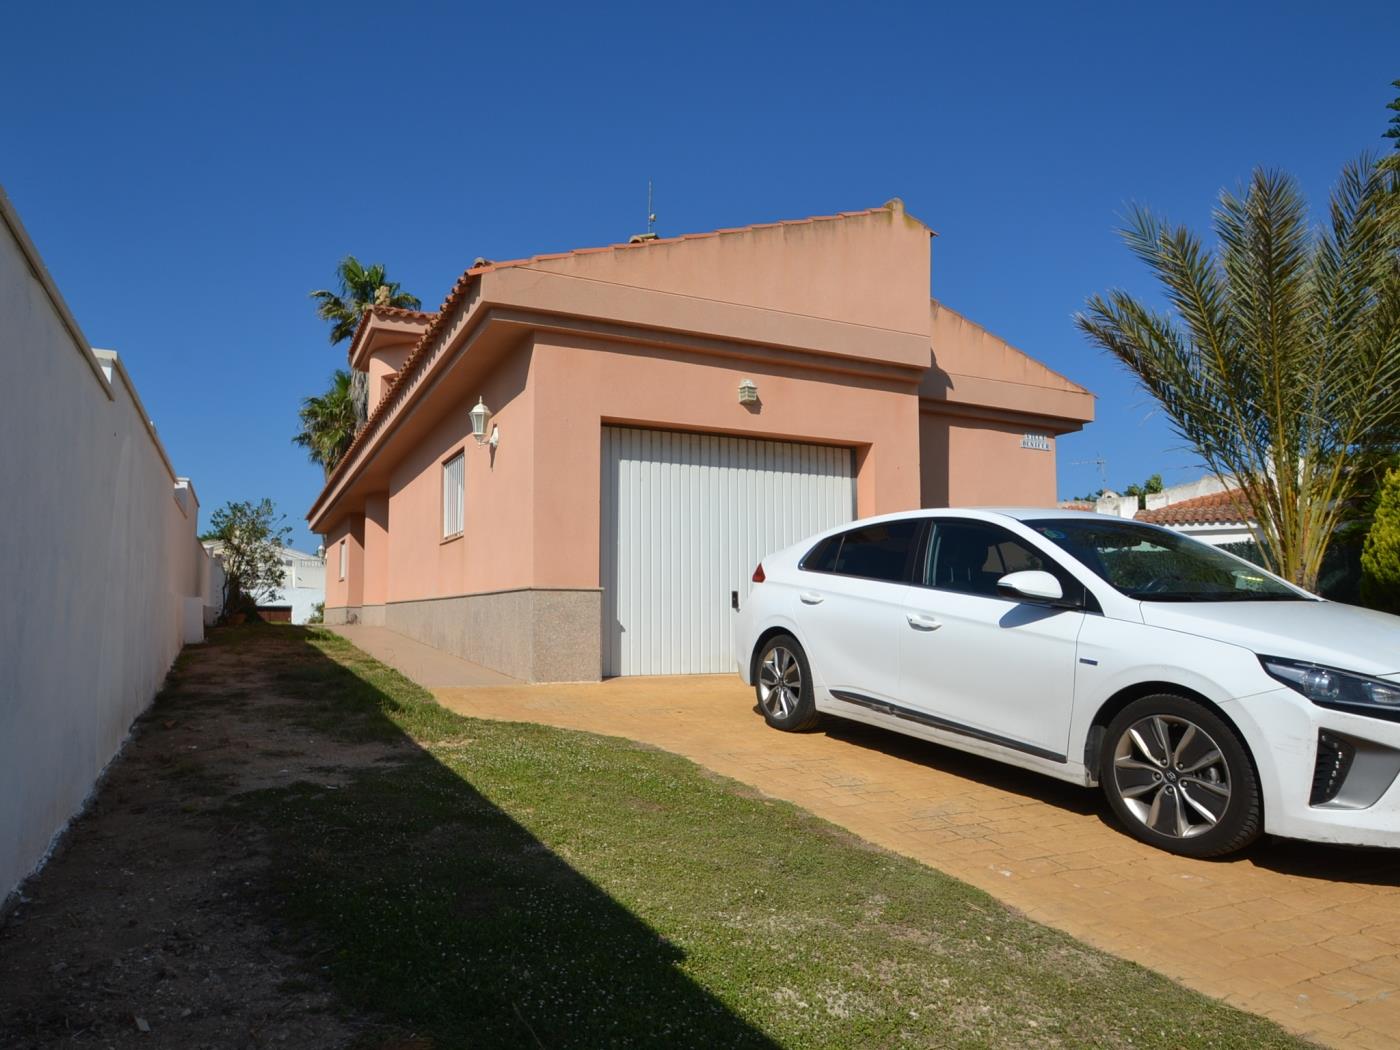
[866, 269]
[383, 366]
[376, 550]
[349, 591]
[582, 384]
[971, 366]
[532, 511]
[977, 463]
[495, 550]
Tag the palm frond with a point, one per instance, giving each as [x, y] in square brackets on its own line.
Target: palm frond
[1278, 360]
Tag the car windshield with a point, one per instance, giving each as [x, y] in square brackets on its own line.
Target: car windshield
[1157, 565]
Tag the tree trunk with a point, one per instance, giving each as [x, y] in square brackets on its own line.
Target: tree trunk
[359, 392]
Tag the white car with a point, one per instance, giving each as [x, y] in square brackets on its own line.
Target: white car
[1213, 701]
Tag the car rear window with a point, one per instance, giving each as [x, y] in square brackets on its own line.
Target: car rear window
[881, 551]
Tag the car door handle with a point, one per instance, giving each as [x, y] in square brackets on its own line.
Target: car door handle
[810, 598]
[923, 623]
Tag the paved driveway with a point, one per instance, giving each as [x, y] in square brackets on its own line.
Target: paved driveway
[1309, 936]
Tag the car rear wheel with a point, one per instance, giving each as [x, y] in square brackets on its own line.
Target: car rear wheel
[783, 683]
[1178, 777]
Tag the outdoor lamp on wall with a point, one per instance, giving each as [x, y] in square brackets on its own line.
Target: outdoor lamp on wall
[748, 392]
[480, 417]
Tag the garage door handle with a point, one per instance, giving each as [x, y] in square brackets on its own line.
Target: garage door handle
[810, 598]
[923, 623]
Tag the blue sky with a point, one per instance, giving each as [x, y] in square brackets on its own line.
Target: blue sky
[191, 172]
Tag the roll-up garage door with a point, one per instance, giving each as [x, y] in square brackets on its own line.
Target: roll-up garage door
[685, 518]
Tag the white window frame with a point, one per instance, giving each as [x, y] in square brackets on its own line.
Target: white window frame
[344, 559]
[454, 495]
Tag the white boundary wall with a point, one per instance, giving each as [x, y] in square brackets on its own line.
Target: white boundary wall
[101, 576]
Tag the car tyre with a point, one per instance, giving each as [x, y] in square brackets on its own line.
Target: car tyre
[1178, 777]
[783, 685]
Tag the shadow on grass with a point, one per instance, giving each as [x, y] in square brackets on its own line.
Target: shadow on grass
[430, 905]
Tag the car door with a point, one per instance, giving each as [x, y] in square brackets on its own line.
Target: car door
[852, 589]
[985, 665]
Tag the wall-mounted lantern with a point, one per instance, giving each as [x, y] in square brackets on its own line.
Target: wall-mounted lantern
[481, 417]
[748, 392]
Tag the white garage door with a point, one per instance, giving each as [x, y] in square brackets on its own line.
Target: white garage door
[686, 517]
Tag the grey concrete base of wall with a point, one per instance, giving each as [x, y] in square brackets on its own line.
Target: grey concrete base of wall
[533, 635]
[337, 615]
[372, 615]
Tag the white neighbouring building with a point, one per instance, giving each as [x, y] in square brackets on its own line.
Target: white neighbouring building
[303, 586]
[1208, 509]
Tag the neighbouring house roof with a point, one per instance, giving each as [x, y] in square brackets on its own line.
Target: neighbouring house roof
[1217, 508]
[1070, 504]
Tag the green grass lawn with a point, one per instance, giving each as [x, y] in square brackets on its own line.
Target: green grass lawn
[514, 885]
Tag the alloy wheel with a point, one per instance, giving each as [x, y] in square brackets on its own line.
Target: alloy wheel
[1172, 776]
[779, 682]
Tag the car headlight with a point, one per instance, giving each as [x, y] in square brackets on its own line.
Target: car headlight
[1343, 690]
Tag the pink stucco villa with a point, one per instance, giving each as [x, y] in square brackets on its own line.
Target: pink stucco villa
[651, 419]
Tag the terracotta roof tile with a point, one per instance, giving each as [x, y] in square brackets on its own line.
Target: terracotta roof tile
[1074, 504]
[437, 320]
[1217, 508]
[396, 313]
[402, 313]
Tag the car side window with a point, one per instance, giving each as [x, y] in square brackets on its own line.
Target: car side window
[881, 551]
[822, 557]
[970, 556]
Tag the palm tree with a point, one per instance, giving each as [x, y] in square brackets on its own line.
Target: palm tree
[329, 423]
[1279, 359]
[361, 287]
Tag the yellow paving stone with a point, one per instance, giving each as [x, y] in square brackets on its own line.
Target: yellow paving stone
[1313, 994]
[1355, 985]
[1385, 969]
[1358, 947]
[1319, 960]
[1280, 971]
[1377, 1015]
[1331, 1029]
[1368, 1039]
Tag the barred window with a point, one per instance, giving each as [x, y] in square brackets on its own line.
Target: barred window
[453, 494]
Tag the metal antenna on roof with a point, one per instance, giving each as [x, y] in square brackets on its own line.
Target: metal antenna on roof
[1099, 462]
[651, 215]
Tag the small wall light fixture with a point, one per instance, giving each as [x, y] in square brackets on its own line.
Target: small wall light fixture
[480, 417]
[748, 392]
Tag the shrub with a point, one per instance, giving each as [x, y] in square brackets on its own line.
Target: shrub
[1380, 558]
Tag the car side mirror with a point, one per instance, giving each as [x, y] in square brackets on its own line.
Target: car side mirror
[1033, 585]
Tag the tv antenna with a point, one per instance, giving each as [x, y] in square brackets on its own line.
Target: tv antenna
[1097, 461]
[651, 215]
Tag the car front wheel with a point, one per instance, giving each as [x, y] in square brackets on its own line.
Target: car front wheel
[783, 683]
[1178, 778]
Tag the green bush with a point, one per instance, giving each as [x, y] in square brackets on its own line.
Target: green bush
[1380, 558]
